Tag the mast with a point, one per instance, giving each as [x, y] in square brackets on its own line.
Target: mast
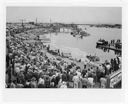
[22, 23]
[50, 27]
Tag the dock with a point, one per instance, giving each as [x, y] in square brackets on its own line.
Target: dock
[110, 48]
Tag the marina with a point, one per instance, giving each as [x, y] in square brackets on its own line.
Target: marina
[63, 54]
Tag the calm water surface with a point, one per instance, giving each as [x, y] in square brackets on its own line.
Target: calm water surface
[88, 44]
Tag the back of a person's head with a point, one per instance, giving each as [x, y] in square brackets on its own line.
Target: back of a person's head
[75, 74]
[88, 69]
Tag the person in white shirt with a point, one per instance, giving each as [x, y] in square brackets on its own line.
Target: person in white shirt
[41, 82]
[103, 82]
[90, 80]
[76, 80]
[63, 85]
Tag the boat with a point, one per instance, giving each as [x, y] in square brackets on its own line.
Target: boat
[83, 33]
[66, 55]
[102, 42]
[93, 58]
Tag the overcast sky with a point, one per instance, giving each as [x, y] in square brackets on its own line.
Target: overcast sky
[65, 14]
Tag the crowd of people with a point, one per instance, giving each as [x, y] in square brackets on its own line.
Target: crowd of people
[29, 66]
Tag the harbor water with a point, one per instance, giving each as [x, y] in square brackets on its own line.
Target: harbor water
[87, 45]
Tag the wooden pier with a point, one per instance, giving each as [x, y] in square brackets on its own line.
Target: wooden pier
[110, 48]
[113, 48]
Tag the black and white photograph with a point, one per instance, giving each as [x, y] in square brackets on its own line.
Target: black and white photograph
[63, 47]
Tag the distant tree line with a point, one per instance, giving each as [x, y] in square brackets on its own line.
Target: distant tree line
[106, 25]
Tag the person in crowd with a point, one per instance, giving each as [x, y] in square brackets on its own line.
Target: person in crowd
[47, 82]
[103, 82]
[76, 80]
[13, 84]
[90, 82]
[41, 82]
[63, 85]
[84, 81]
[33, 83]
